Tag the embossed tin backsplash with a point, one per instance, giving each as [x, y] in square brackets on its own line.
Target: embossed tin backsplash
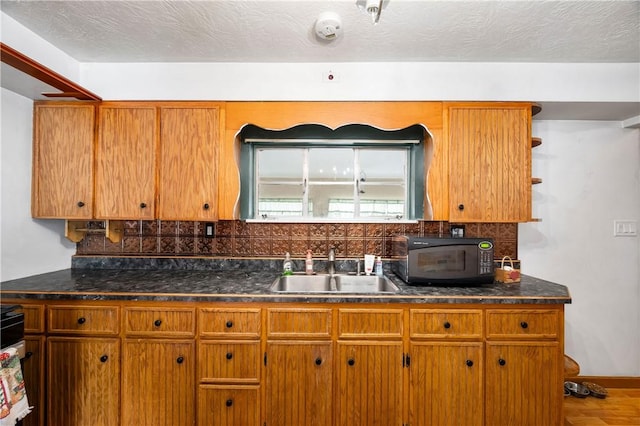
[271, 240]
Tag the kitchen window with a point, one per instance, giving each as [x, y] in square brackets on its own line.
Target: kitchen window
[335, 178]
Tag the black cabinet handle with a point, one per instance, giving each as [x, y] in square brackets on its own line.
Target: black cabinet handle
[82, 320]
[229, 402]
[460, 207]
[143, 205]
[229, 355]
[180, 359]
[206, 206]
[351, 361]
[524, 324]
[157, 322]
[80, 203]
[318, 361]
[28, 355]
[229, 324]
[502, 361]
[469, 363]
[447, 324]
[104, 358]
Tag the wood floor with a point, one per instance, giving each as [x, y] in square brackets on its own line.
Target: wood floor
[621, 407]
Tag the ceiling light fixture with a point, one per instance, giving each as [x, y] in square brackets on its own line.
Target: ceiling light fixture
[373, 8]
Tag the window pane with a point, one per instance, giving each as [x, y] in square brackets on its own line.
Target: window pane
[324, 179]
[383, 175]
[280, 164]
[330, 176]
[280, 182]
[331, 165]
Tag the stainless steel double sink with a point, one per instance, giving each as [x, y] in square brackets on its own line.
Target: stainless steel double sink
[338, 283]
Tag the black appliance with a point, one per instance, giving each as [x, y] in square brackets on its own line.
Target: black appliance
[443, 261]
[12, 326]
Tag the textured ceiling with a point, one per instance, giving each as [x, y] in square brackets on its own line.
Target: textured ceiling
[282, 30]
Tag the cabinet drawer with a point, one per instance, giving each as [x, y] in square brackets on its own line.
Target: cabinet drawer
[370, 323]
[237, 361]
[298, 323]
[446, 323]
[523, 324]
[228, 405]
[33, 318]
[96, 320]
[229, 323]
[161, 322]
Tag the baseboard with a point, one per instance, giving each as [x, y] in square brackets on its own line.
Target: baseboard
[609, 381]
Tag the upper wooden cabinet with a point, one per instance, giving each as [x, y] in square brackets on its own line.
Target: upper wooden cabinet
[63, 143]
[489, 162]
[188, 163]
[126, 161]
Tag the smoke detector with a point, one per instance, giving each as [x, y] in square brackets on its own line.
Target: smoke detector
[328, 26]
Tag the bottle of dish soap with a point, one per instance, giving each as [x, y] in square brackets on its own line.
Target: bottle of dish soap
[379, 271]
[308, 264]
[287, 268]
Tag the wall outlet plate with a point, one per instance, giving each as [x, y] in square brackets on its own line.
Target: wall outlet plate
[457, 231]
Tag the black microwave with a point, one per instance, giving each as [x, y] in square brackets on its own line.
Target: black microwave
[443, 261]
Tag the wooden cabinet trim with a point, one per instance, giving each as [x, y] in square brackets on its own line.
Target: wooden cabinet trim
[33, 318]
[227, 323]
[301, 323]
[370, 323]
[159, 322]
[446, 324]
[229, 361]
[528, 324]
[83, 320]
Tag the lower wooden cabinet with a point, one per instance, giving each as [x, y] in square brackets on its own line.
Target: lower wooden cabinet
[446, 384]
[523, 384]
[298, 385]
[175, 364]
[83, 381]
[158, 382]
[369, 383]
[224, 405]
[33, 371]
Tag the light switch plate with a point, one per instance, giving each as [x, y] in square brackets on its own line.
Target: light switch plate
[625, 228]
[209, 230]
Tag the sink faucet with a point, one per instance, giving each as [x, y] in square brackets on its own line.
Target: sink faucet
[332, 261]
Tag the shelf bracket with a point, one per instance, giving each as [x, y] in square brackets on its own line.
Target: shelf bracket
[75, 230]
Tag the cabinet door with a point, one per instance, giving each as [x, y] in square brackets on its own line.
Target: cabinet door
[446, 384]
[33, 371]
[83, 381]
[369, 383]
[126, 162]
[307, 368]
[158, 382]
[188, 163]
[63, 141]
[490, 164]
[523, 384]
[229, 405]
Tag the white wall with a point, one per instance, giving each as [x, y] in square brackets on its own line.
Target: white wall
[28, 246]
[365, 81]
[590, 173]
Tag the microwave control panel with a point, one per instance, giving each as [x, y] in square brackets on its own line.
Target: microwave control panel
[486, 257]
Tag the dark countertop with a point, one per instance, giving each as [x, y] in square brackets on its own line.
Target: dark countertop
[246, 281]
